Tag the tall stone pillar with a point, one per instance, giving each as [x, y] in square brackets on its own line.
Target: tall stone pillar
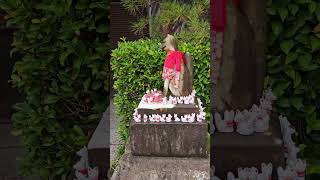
[240, 71]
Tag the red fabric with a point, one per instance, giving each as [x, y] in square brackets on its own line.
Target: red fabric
[174, 58]
[219, 14]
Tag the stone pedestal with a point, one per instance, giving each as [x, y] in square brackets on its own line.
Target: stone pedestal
[160, 168]
[175, 139]
[169, 139]
[232, 150]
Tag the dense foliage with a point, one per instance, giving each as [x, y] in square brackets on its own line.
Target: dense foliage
[187, 19]
[137, 67]
[293, 69]
[63, 73]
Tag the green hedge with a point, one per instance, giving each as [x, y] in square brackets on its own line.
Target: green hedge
[63, 73]
[137, 67]
[293, 69]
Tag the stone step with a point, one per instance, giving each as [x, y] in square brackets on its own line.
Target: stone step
[160, 168]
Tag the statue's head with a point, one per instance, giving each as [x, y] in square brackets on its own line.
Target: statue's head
[169, 43]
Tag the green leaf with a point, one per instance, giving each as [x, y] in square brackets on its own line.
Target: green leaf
[286, 46]
[315, 43]
[51, 99]
[283, 13]
[36, 21]
[275, 61]
[291, 57]
[102, 28]
[276, 27]
[309, 109]
[280, 87]
[86, 84]
[297, 102]
[283, 102]
[295, 76]
[271, 11]
[312, 6]
[293, 8]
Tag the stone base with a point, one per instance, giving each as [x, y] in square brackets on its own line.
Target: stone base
[161, 168]
[169, 139]
[232, 150]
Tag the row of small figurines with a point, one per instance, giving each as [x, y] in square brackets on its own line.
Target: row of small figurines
[291, 172]
[170, 100]
[167, 118]
[82, 169]
[247, 122]
[295, 167]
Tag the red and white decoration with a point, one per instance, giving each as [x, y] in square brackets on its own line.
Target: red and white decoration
[152, 100]
[82, 169]
[246, 122]
[295, 167]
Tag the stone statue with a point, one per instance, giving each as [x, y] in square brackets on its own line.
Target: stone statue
[239, 29]
[178, 69]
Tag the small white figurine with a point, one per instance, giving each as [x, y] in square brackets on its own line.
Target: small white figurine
[300, 169]
[268, 95]
[245, 126]
[238, 117]
[168, 119]
[285, 174]
[222, 125]
[253, 173]
[93, 173]
[162, 119]
[157, 118]
[145, 118]
[243, 174]
[230, 176]
[183, 119]
[261, 122]
[266, 171]
[266, 105]
[176, 118]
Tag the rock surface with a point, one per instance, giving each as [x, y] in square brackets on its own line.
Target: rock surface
[162, 168]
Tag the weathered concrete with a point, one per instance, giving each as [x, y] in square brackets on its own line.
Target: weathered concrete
[162, 168]
[232, 150]
[169, 139]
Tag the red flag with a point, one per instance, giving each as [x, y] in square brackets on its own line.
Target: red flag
[218, 15]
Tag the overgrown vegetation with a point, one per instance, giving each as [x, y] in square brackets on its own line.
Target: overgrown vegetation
[294, 69]
[63, 74]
